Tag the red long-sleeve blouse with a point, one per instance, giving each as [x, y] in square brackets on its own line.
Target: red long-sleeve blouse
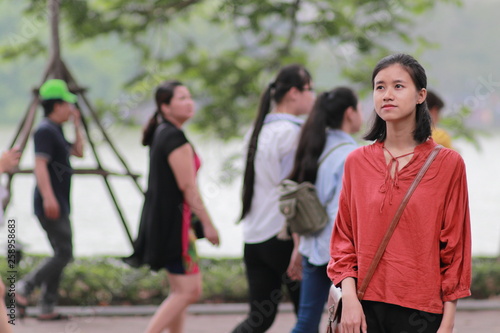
[428, 259]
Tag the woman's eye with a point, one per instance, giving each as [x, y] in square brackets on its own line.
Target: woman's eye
[399, 86]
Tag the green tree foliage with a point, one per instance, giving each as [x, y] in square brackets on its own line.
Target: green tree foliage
[227, 50]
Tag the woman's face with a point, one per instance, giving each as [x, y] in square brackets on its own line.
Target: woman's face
[305, 99]
[357, 119]
[181, 107]
[395, 96]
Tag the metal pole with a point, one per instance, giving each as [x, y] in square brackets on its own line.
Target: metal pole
[71, 81]
[103, 131]
[54, 28]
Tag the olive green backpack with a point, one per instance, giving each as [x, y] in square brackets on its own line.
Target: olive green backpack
[301, 207]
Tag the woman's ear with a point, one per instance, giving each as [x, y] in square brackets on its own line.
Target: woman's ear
[348, 114]
[422, 95]
[353, 120]
[164, 109]
[292, 93]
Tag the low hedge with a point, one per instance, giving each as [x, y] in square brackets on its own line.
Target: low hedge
[485, 277]
[108, 281]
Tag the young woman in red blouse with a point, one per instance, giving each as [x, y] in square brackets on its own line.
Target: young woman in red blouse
[427, 264]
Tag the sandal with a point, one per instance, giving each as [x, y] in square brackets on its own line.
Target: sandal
[53, 317]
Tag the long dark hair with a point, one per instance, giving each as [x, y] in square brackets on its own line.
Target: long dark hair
[163, 95]
[328, 111]
[422, 131]
[288, 77]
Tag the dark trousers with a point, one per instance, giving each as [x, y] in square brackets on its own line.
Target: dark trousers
[48, 274]
[390, 318]
[266, 265]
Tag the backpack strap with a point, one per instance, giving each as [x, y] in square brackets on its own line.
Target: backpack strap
[331, 151]
[324, 158]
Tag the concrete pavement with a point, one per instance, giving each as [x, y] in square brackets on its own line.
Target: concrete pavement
[472, 317]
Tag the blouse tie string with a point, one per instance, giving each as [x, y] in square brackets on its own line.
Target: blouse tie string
[389, 183]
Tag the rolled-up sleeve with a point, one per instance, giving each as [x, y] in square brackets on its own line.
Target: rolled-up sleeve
[44, 144]
[343, 261]
[455, 239]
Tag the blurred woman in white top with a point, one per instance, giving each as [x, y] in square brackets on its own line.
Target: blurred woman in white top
[271, 262]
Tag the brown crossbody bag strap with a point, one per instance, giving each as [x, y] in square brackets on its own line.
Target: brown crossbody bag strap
[394, 222]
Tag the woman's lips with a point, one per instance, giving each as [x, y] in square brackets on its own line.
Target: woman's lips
[388, 106]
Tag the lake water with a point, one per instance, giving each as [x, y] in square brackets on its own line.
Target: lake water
[99, 231]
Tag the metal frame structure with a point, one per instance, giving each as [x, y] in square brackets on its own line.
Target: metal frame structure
[57, 69]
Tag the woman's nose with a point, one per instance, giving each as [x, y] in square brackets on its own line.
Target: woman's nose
[388, 95]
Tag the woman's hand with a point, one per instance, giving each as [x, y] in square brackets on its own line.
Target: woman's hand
[353, 317]
[448, 321]
[294, 270]
[211, 234]
[9, 160]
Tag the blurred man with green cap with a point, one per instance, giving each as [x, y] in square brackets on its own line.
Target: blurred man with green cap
[52, 194]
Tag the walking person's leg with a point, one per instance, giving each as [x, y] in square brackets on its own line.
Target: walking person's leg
[313, 296]
[48, 274]
[279, 260]
[184, 290]
[266, 265]
[264, 288]
[178, 323]
[60, 236]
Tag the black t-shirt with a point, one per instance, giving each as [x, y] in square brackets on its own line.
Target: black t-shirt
[160, 230]
[50, 144]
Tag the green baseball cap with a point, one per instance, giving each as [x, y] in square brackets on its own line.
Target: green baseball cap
[57, 89]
